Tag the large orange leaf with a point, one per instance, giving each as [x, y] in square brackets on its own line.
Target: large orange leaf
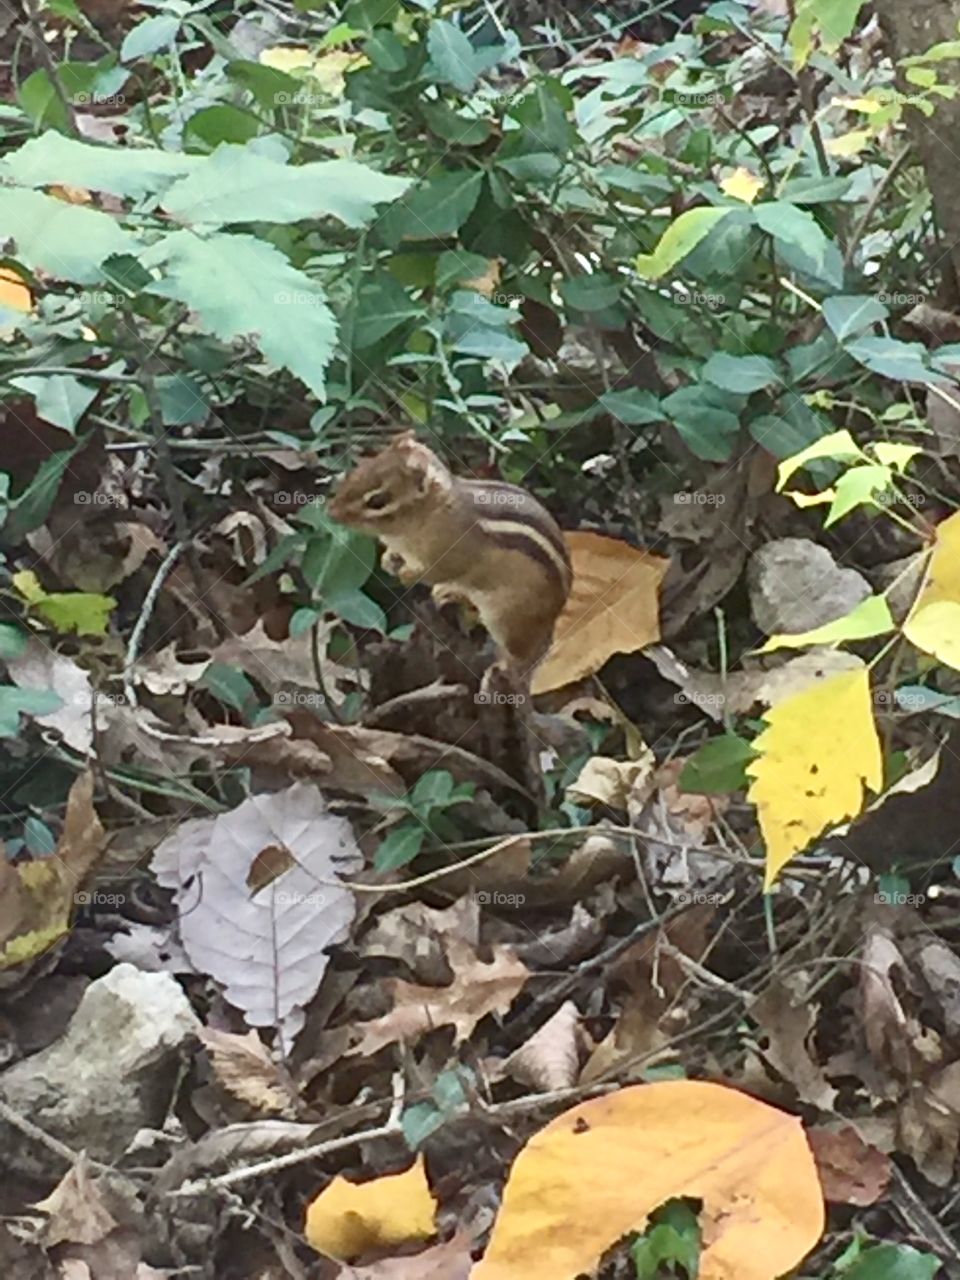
[613, 608]
[348, 1219]
[596, 1172]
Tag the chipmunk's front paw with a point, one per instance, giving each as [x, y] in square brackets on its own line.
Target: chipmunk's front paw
[392, 562]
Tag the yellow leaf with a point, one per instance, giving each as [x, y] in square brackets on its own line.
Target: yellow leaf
[287, 58]
[742, 185]
[934, 621]
[81, 611]
[327, 70]
[849, 144]
[869, 106]
[70, 195]
[871, 617]
[613, 608]
[818, 750]
[597, 1171]
[14, 292]
[348, 1219]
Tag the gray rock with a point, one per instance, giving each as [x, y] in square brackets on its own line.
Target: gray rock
[796, 585]
[108, 1076]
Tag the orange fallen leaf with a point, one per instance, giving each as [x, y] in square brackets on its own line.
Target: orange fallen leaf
[348, 1219]
[613, 608]
[14, 292]
[596, 1172]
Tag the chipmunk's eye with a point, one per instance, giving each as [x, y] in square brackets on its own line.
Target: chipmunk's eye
[377, 500]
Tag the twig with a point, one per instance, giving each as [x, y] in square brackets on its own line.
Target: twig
[30, 1130]
[389, 1129]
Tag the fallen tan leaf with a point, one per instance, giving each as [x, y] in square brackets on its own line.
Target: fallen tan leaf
[244, 1067]
[549, 1059]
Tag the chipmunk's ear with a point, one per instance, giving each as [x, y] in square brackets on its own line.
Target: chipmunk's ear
[404, 441]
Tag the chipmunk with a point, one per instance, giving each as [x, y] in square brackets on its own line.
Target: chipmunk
[483, 543]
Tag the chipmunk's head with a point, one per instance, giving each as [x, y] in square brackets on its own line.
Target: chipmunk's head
[390, 487]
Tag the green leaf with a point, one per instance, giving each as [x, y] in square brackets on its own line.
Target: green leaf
[900, 361]
[182, 400]
[682, 236]
[38, 837]
[67, 241]
[741, 374]
[718, 767]
[399, 847]
[917, 698]
[242, 287]
[455, 266]
[223, 123]
[435, 209]
[815, 189]
[13, 641]
[81, 611]
[787, 433]
[269, 86]
[871, 617]
[671, 1240]
[452, 59]
[382, 305]
[229, 685]
[149, 36]
[133, 172]
[60, 400]
[31, 508]
[16, 701]
[635, 407]
[433, 789]
[591, 293]
[360, 610]
[337, 562]
[705, 418]
[849, 314]
[893, 1262]
[238, 184]
[453, 127]
[786, 223]
[40, 101]
[858, 487]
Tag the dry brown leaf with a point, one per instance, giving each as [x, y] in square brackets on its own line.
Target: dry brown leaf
[789, 1029]
[479, 988]
[929, 1125]
[75, 1209]
[851, 1171]
[164, 673]
[548, 1060]
[606, 781]
[244, 1067]
[47, 891]
[273, 663]
[419, 936]
[349, 1219]
[613, 608]
[596, 1171]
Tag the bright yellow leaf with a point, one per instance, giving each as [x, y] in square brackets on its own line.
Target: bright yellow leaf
[81, 611]
[348, 1219]
[597, 1171]
[934, 621]
[818, 750]
[742, 185]
[869, 106]
[613, 608]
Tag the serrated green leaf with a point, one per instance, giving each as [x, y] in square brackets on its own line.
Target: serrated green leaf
[242, 287]
[149, 36]
[680, 238]
[849, 315]
[435, 209]
[635, 406]
[791, 225]
[452, 59]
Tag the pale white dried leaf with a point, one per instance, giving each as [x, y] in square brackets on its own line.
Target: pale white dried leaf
[266, 947]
